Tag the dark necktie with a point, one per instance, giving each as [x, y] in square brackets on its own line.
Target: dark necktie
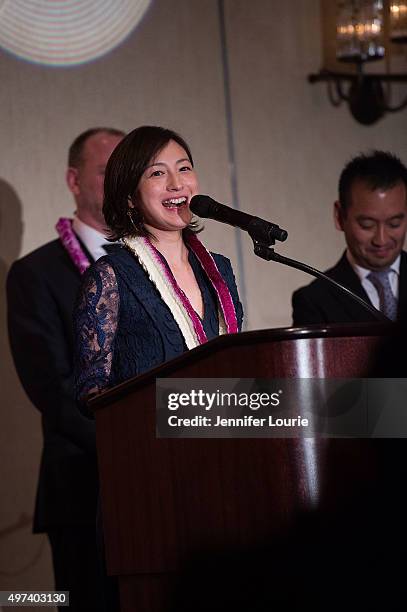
[388, 303]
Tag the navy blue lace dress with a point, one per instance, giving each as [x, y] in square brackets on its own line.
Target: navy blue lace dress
[123, 327]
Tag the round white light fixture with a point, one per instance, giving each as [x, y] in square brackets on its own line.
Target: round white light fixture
[66, 32]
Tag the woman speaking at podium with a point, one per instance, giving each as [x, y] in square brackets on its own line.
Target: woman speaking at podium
[158, 291]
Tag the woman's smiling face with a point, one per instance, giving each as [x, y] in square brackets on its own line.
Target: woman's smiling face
[166, 188]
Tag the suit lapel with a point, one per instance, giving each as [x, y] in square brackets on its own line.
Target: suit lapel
[343, 273]
[85, 250]
[137, 282]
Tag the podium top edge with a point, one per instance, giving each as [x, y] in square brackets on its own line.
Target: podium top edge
[289, 334]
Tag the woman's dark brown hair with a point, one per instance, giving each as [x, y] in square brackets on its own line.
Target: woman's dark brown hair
[123, 172]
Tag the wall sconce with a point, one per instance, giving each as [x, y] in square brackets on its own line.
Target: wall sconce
[362, 29]
[398, 22]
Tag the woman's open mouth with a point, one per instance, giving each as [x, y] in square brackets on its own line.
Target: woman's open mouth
[175, 202]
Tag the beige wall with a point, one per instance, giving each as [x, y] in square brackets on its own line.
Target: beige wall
[291, 143]
[290, 147]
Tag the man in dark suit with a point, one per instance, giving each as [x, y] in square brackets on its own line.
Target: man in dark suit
[41, 292]
[372, 213]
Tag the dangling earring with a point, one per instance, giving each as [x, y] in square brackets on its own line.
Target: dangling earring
[136, 224]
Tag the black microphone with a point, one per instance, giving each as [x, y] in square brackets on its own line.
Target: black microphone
[259, 229]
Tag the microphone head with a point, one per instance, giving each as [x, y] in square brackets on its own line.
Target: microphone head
[201, 205]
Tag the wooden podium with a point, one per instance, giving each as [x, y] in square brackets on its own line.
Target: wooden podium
[166, 502]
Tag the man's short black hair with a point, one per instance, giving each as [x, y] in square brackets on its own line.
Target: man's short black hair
[378, 169]
[76, 148]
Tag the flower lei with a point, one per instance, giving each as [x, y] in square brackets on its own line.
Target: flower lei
[72, 244]
[185, 316]
[150, 259]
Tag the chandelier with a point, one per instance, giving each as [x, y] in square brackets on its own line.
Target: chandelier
[365, 32]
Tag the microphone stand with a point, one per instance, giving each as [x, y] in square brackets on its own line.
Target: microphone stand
[265, 251]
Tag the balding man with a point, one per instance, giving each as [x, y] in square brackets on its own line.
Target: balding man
[41, 291]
